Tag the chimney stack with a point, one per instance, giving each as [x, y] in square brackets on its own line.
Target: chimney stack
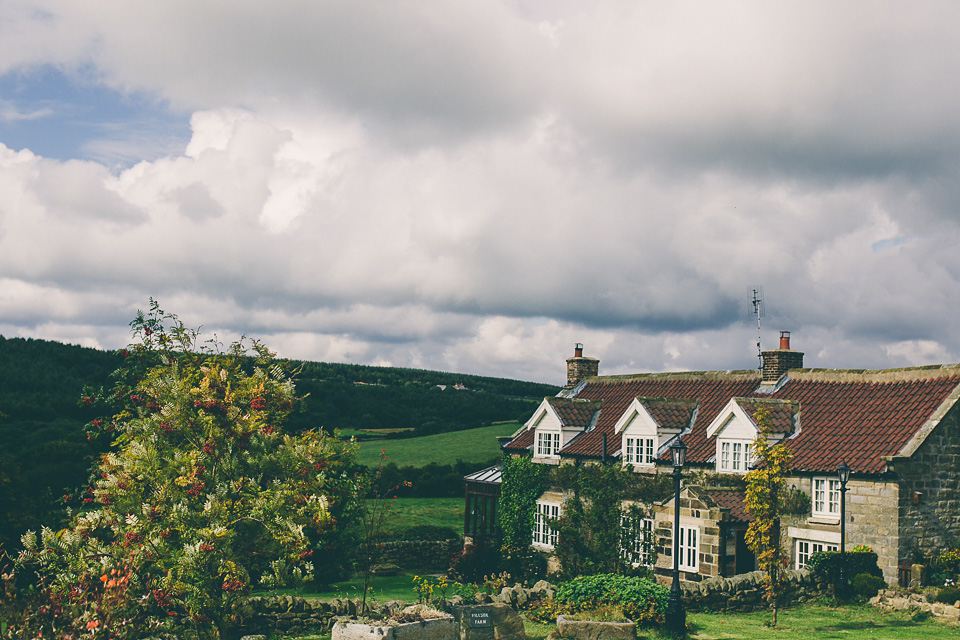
[580, 367]
[778, 362]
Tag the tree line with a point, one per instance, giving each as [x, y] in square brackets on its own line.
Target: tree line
[46, 456]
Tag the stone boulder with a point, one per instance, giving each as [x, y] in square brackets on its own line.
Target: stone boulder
[570, 629]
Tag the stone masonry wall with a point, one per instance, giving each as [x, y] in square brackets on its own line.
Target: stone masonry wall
[898, 600]
[295, 615]
[744, 592]
[693, 511]
[434, 555]
[872, 506]
[931, 520]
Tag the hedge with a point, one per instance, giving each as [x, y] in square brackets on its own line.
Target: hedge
[827, 564]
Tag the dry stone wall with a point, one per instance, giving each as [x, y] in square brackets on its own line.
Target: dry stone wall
[744, 592]
[904, 601]
[433, 555]
[293, 615]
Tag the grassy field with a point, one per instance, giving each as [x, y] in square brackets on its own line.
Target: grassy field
[470, 445]
[409, 512]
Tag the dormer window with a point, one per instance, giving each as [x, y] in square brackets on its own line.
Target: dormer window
[648, 423]
[735, 430]
[734, 456]
[548, 444]
[639, 450]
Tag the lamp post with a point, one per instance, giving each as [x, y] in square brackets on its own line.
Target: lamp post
[676, 619]
[843, 471]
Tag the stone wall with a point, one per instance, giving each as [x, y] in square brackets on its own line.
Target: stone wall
[904, 601]
[872, 507]
[295, 615]
[695, 510]
[434, 555]
[745, 592]
[929, 501]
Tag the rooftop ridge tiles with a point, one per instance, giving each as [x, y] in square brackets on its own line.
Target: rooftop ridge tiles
[732, 374]
[903, 374]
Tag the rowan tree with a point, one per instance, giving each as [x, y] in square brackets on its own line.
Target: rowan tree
[766, 500]
[202, 498]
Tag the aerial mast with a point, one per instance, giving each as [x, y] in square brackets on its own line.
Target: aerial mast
[757, 310]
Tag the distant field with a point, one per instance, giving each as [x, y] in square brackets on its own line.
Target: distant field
[469, 445]
[411, 512]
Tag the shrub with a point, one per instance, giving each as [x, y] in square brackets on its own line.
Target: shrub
[475, 562]
[948, 595]
[603, 613]
[547, 610]
[525, 564]
[826, 564]
[641, 600]
[948, 562]
[867, 585]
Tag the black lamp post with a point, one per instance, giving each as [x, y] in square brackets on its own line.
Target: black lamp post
[843, 471]
[676, 619]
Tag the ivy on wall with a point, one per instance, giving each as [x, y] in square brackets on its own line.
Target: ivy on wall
[522, 482]
[591, 527]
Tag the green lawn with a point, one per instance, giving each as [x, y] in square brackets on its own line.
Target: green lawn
[799, 623]
[469, 445]
[409, 512]
[861, 622]
[385, 588]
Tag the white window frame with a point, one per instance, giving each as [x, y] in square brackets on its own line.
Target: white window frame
[548, 443]
[689, 548]
[806, 548]
[637, 542]
[826, 497]
[734, 456]
[640, 450]
[545, 536]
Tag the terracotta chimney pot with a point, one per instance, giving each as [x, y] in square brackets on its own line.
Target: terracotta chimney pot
[785, 340]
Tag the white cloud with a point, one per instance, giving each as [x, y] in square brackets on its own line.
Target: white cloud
[477, 186]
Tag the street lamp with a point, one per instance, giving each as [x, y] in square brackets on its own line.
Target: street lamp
[676, 620]
[843, 471]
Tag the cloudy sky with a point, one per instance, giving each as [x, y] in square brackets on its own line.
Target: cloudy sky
[474, 186]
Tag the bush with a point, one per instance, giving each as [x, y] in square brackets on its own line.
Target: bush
[429, 532]
[948, 562]
[475, 562]
[604, 613]
[547, 610]
[826, 564]
[641, 600]
[948, 595]
[867, 585]
[525, 564]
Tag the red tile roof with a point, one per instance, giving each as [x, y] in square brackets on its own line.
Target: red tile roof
[733, 500]
[853, 417]
[575, 412]
[711, 390]
[670, 413]
[783, 413]
[522, 442]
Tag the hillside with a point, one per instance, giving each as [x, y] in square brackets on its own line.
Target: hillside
[470, 446]
[44, 453]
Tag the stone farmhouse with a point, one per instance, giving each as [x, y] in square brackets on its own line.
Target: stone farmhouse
[897, 429]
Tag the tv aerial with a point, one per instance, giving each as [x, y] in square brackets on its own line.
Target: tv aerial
[756, 302]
